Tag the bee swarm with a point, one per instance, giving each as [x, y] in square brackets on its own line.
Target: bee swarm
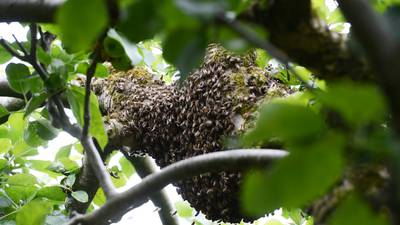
[175, 122]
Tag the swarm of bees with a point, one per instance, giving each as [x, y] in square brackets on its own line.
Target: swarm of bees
[172, 122]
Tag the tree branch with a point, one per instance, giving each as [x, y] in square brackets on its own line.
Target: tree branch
[145, 167]
[38, 11]
[235, 160]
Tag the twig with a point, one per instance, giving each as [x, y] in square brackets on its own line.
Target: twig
[87, 142]
[121, 203]
[21, 47]
[9, 49]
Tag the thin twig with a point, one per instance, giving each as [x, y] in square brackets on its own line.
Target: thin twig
[21, 47]
[10, 50]
[121, 203]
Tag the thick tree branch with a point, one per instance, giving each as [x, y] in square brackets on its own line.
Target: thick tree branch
[145, 167]
[37, 11]
[235, 160]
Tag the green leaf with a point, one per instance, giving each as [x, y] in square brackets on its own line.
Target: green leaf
[127, 168]
[22, 149]
[16, 126]
[5, 202]
[81, 22]
[34, 213]
[101, 71]
[99, 199]
[70, 180]
[43, 56]
[38, 132]
[351, 101]
[17, 75]
[35, 102]
[5, 145]
[3, 111]
[76, 97]
[52, 192]
[3, 163]
[139, 24]
[294, 181]
[113, 47]
[185, 49]
[80, 196]
[274, 222]
[64, 152]
[355, 211]
[4, 56]
[22, 179]
[183, 208]
[68, 164]
[287, 121]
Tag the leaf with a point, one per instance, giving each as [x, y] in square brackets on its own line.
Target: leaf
[127, 168]
[22, 179]
[64, 152]
[139, 24]
[80, 196]
[99, 199]
[101, 71]
[357, 103]
[35, 102]
[16, 126]
[3, 111]
[185, 49]
[34, 212]
[81, 22]
[294, 181]
[289, 122]
[3, 163]
[38, 132]
[17, 74]
[274, 222]
[52, 192]
[4, 56]
[68, 164]
[70, 180]
[355, 211]
[113, 47]
[22, 149]
[76, 97]
[183, 208]
[5, 145]
[5, 202]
